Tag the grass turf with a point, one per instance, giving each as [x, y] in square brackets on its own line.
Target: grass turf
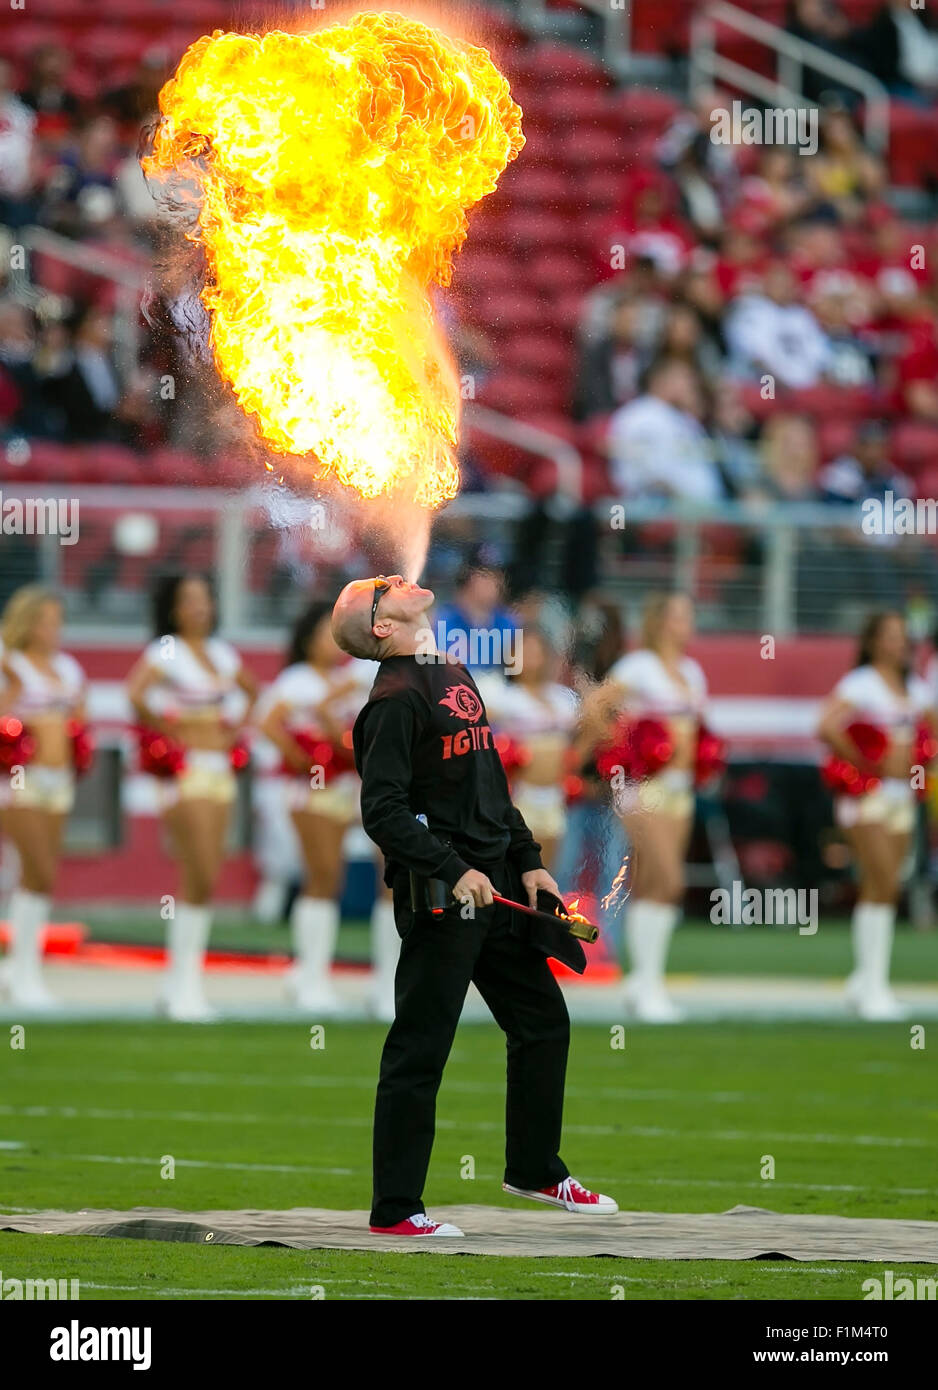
[681, 1119]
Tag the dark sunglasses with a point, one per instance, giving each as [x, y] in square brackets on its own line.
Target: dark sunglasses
[382, 586]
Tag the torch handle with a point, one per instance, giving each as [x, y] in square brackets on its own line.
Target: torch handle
[584, 931]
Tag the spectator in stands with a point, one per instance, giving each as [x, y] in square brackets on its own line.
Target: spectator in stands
[648, 225]
[865, 470]
[90, 391]
[608, 370]
[21, 387]
[770, 334]
[657, 444]
[734, 430]
[917, 373]
[85, 171]
[689, 132]
[901, 51]
[850, 361]
[777, 190]
[682, 337]
[821, 22]
[790, 458]
[138, 100]
[475, 627]
[47, 91]
[843, 175]
[641, 282]
[18, 182]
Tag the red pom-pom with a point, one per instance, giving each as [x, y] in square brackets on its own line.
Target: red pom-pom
[870, 741]
[513, 754]
[82, 741]
[17, 745]
[846, 780]
[710, 761]
[842, 776]
[160, 755]
[926, 746]
[639, 750]
[239, 755]
[333, 758]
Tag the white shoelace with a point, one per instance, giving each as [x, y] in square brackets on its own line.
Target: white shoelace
[568, 1189]
[421, 1219]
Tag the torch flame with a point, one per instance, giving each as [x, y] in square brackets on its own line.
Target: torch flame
[334, 172]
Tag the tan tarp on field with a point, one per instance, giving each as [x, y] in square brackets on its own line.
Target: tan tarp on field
[744, 1233]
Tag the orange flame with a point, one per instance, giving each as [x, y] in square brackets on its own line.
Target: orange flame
[334, 172]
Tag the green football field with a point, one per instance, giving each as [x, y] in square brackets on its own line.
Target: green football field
[680, 1119]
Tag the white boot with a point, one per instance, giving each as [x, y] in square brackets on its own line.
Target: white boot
[315, 924]
[648, 929]
[868, 992]
[22, 974]
[385, 950]
[183, 997]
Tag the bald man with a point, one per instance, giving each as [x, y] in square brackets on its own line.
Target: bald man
[435, 800]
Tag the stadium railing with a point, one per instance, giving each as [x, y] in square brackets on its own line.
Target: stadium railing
[762, 566]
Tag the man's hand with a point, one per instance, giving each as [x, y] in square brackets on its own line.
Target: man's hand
[535, 879]
[474, 887]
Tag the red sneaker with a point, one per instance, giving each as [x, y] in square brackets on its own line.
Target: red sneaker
[571, 1195]
[418, 1225]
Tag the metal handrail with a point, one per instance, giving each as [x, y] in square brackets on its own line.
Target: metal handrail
[533, 440]
[794, 54]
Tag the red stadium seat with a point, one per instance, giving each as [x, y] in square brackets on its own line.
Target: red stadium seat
[529, 230]
[477, 272]
[540, 356]
[514, 393]
[559, 63]
[537, 187]
[585, 146]
[914, 446]
[504, 311]
[559, 270]
[913, 144]
[642, 108]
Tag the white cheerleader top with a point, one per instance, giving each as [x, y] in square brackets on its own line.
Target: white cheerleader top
[527, 715]
[302, 689]
[652, 692]
[190, 689]
[42, 694]
[875, 702]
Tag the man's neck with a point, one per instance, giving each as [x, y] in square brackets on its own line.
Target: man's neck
[408, 641]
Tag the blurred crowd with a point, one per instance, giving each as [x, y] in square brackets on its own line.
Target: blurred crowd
[734, 286]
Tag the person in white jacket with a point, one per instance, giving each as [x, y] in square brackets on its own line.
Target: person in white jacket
[770, 334]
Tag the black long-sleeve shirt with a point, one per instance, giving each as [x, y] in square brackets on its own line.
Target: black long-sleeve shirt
[423, 745]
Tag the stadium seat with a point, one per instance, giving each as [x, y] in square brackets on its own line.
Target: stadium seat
[554, 271]
[541, 356]
[556, 63]
[914, 446]
[515, 393]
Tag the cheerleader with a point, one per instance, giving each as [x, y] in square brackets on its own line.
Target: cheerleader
[883, 705]
[42, 700]
[184, 687]
[538, 715]
[316, 697]
[658, 681]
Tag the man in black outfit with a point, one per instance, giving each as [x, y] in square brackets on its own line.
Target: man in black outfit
[435, 800]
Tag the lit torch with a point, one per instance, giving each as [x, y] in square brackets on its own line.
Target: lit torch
[334, 171]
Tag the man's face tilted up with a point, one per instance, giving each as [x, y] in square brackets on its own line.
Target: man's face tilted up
[380, 617]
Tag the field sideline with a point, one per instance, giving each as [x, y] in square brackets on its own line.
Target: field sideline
[678, 1120]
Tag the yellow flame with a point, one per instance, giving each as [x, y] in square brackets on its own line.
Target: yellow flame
[334, 172]
[620, 886]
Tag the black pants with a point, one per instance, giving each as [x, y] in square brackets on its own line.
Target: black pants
[439, 957]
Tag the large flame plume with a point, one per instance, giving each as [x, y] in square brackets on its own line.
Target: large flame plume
[334, 171]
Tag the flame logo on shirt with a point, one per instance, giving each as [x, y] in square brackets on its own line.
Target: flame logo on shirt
[463, 702]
